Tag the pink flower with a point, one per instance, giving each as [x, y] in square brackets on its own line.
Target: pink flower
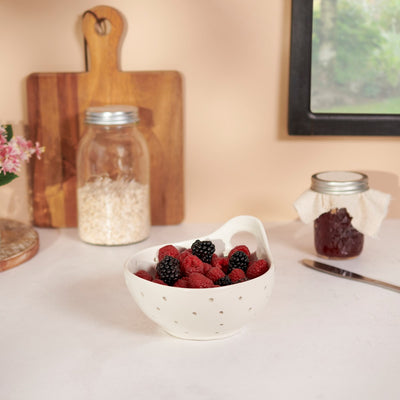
[26, 148]
[14, 152]
[10, 160]
[23, 147]
[39, 150]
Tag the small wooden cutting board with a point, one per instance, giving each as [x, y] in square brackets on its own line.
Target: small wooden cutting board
[56, 108]
[18, 243]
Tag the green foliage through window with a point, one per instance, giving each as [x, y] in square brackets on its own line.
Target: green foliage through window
[366, 48]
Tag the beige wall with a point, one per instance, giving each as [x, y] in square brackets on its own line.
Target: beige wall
[234, 57]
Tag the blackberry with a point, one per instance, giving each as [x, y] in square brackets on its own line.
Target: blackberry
[224, 281]
[168, 269]
[239, 259]
[203, 249]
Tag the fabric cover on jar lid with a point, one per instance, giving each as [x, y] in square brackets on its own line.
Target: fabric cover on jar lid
[344, 189]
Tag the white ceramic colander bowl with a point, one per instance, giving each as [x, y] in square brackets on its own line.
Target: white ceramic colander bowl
[211, 313]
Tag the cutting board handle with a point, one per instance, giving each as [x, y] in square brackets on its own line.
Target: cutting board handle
[102, 28]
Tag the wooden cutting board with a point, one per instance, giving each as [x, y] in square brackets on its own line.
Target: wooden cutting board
[56, 108]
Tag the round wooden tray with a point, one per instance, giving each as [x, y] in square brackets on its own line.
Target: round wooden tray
[18, 243]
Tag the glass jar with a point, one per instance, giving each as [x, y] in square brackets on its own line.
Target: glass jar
[113, 178]
[334, 234]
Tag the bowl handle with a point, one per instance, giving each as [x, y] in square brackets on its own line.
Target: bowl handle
[245, 223]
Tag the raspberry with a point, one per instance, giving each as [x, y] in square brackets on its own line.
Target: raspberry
[168, 250]
[168, 270]
[242, 247]
[144, 274]
[192, 264]
[225, 281]
[184, 254]
[215, 273]
[214, 260]
[257, 268]
[239, 259]
[203, 249]
[223, 263]
[182, 282]
[197, 280]
[217, 261]
[206, 268]
[237, 275]
[159, 281]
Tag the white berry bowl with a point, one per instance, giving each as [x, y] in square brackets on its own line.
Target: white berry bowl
[205, 313]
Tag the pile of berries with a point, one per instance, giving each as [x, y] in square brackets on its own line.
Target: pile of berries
[200, 267]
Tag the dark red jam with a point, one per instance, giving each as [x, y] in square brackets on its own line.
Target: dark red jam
[335, 237]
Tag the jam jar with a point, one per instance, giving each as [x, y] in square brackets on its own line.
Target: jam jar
[113, 177]
[334, 234]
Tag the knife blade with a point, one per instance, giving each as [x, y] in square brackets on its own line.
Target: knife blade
[330, 269]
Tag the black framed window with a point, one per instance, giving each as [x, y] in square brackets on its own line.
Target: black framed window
[345, 81]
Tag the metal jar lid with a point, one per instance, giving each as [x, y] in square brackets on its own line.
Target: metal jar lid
[111, 115]
[339, 182]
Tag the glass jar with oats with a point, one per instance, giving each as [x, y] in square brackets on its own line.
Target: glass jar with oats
[113, 178]
[343, 209]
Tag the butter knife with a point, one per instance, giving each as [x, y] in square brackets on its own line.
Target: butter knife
[329, 269]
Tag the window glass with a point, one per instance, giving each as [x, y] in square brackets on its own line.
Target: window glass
[355, 57]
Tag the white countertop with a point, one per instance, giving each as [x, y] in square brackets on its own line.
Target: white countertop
[70, 329]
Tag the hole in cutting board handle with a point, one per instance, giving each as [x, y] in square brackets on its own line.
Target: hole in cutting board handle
[102, 27]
